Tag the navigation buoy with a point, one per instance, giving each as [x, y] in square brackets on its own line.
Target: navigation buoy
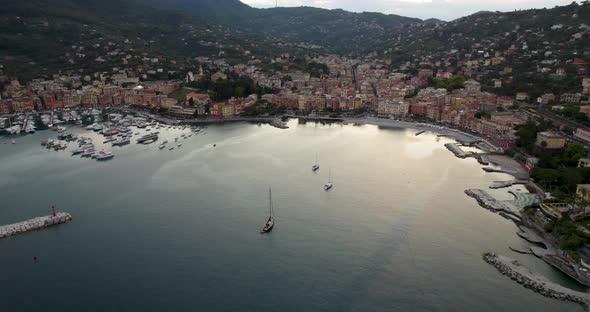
[35, 260]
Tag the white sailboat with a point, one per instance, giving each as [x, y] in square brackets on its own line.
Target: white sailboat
[316, 166]
[329, 185]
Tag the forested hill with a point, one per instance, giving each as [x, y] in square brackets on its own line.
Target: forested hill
[338, 30]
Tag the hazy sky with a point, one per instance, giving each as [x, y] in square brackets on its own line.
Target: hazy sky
[442, 9]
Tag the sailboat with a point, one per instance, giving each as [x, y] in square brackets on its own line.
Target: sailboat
[316, 166]
[329, 185]
[270, 222]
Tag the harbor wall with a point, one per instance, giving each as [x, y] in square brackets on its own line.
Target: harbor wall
[34, 224]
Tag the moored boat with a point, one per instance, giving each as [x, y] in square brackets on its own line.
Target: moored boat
[270, 222]
[316, 166]
[104, 155]
[329, 185]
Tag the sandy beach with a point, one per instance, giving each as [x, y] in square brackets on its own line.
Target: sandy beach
[441, 130]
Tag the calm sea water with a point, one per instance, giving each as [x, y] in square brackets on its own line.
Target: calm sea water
[160, 230]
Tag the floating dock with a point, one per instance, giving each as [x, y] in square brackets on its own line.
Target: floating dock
[34, 224]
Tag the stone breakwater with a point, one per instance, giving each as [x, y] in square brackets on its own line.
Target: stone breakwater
[34, 224]
[534, 282]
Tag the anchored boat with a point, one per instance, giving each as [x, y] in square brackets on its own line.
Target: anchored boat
[270, 223]
[329, 185]
[316, 166]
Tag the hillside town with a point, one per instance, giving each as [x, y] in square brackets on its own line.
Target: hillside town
[161, 116]
[345, 86]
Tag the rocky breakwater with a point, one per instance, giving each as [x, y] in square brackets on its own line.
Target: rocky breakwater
[535, 282]
[34, 224]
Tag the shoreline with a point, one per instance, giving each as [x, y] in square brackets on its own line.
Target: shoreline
[456, 134]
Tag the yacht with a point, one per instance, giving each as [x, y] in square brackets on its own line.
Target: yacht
[109, 132]
[162, 146]
[120, 141]
[30, 128]
[104, 155]
[16, 129]
[88, 152]
[148, 138]
[77, 151]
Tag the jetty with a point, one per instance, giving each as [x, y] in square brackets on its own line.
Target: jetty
[34, 224]
[525, 252]
[502, 184]
[455, 149]
[535, 282]
[278, 123]
[485, 200]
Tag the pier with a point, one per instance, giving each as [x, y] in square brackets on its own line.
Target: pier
[453, 147]
[485, 200]
[525, 252]
[34, 224]
[502, 184]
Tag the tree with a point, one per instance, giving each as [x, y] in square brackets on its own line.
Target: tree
[568, 130]
[572, 153]
[572, 242]
[527, 134]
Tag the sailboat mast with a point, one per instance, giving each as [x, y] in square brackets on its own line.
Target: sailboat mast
[270, 201]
